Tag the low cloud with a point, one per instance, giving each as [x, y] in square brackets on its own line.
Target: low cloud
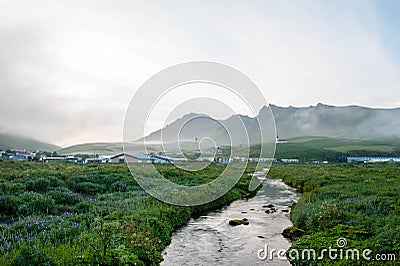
[68, 69]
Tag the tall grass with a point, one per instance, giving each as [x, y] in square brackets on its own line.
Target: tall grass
[357, 201]
[62, 214]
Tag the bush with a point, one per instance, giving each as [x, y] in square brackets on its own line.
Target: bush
[82, 207]
[65, 197]
[35, 203]
[119, 186]
[31, 255]
[89, 188]
[8, 204]
[12, 188]
[39, 185]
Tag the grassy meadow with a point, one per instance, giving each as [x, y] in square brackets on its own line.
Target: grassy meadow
[358, 202]
[307, 149]
[65, 214]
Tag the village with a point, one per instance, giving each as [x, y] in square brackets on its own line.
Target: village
[23, 155]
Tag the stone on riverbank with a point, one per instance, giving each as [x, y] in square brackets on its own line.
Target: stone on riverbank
[235, 222]
[293, 232]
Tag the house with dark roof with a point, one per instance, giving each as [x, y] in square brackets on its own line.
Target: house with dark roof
[278, 140]
[130, 158]
[162, 159]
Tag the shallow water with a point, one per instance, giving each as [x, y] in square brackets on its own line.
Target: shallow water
[210, 240]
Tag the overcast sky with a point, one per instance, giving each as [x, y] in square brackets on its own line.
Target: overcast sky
[68, 69]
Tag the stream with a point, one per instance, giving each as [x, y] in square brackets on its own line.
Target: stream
[210, 240]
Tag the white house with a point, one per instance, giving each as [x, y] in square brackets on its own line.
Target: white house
[278, 140]
[290, 160]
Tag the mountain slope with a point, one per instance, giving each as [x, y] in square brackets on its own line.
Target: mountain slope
[9, 141]
[350, 122]
[103, 148]
[93, 148]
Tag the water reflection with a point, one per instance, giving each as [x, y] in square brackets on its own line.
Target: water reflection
[210, 240]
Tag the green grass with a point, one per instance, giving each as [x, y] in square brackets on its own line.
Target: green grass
[381, 148]
[64, 214]
[359, 202]
[334, 149]
[307, 148]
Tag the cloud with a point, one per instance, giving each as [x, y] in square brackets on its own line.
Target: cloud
[68, 69]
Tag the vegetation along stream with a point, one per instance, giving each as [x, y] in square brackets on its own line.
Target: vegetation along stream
[211, 240]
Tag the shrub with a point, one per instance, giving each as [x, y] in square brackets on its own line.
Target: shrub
[13, 188]
[8, 204]
[89, 188]
[35, 203]
[82, 207]
[31, 255]
[119, 186]
[39, 185]
[104, 246]
[65, 197]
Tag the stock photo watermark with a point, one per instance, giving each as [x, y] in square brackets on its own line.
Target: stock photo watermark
[340, 252]
[197, 94]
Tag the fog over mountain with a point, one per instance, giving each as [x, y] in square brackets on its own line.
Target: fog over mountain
[351, 122]
[12, 140]
[348, 122]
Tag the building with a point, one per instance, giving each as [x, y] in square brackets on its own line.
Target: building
[224, 160]
[241, 159]
[162, 159]
[256, 159]
[47, 159]
[21, 155]
[290, 160]
[97, 160]
[373, 159]
[72, 159]
[278, 140]
[131, 158]
[224, 148]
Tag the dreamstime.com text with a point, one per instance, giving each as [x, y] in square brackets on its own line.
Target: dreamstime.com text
[332, 253]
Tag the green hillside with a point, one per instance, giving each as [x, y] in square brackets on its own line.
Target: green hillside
[90, 148]
[331, 149]
[105, 148]
[8, 141]
[305, 148]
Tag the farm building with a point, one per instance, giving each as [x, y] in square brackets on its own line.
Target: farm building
[290, 160]
[162, 159]
[373, 159]
[278, 140]
[46, 159]
[97, 160]
[224, 160]
[131, 158]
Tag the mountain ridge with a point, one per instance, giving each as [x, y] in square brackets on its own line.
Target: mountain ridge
[9, 141]
[349, 122]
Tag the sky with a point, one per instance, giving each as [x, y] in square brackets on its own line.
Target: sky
[68, 69]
